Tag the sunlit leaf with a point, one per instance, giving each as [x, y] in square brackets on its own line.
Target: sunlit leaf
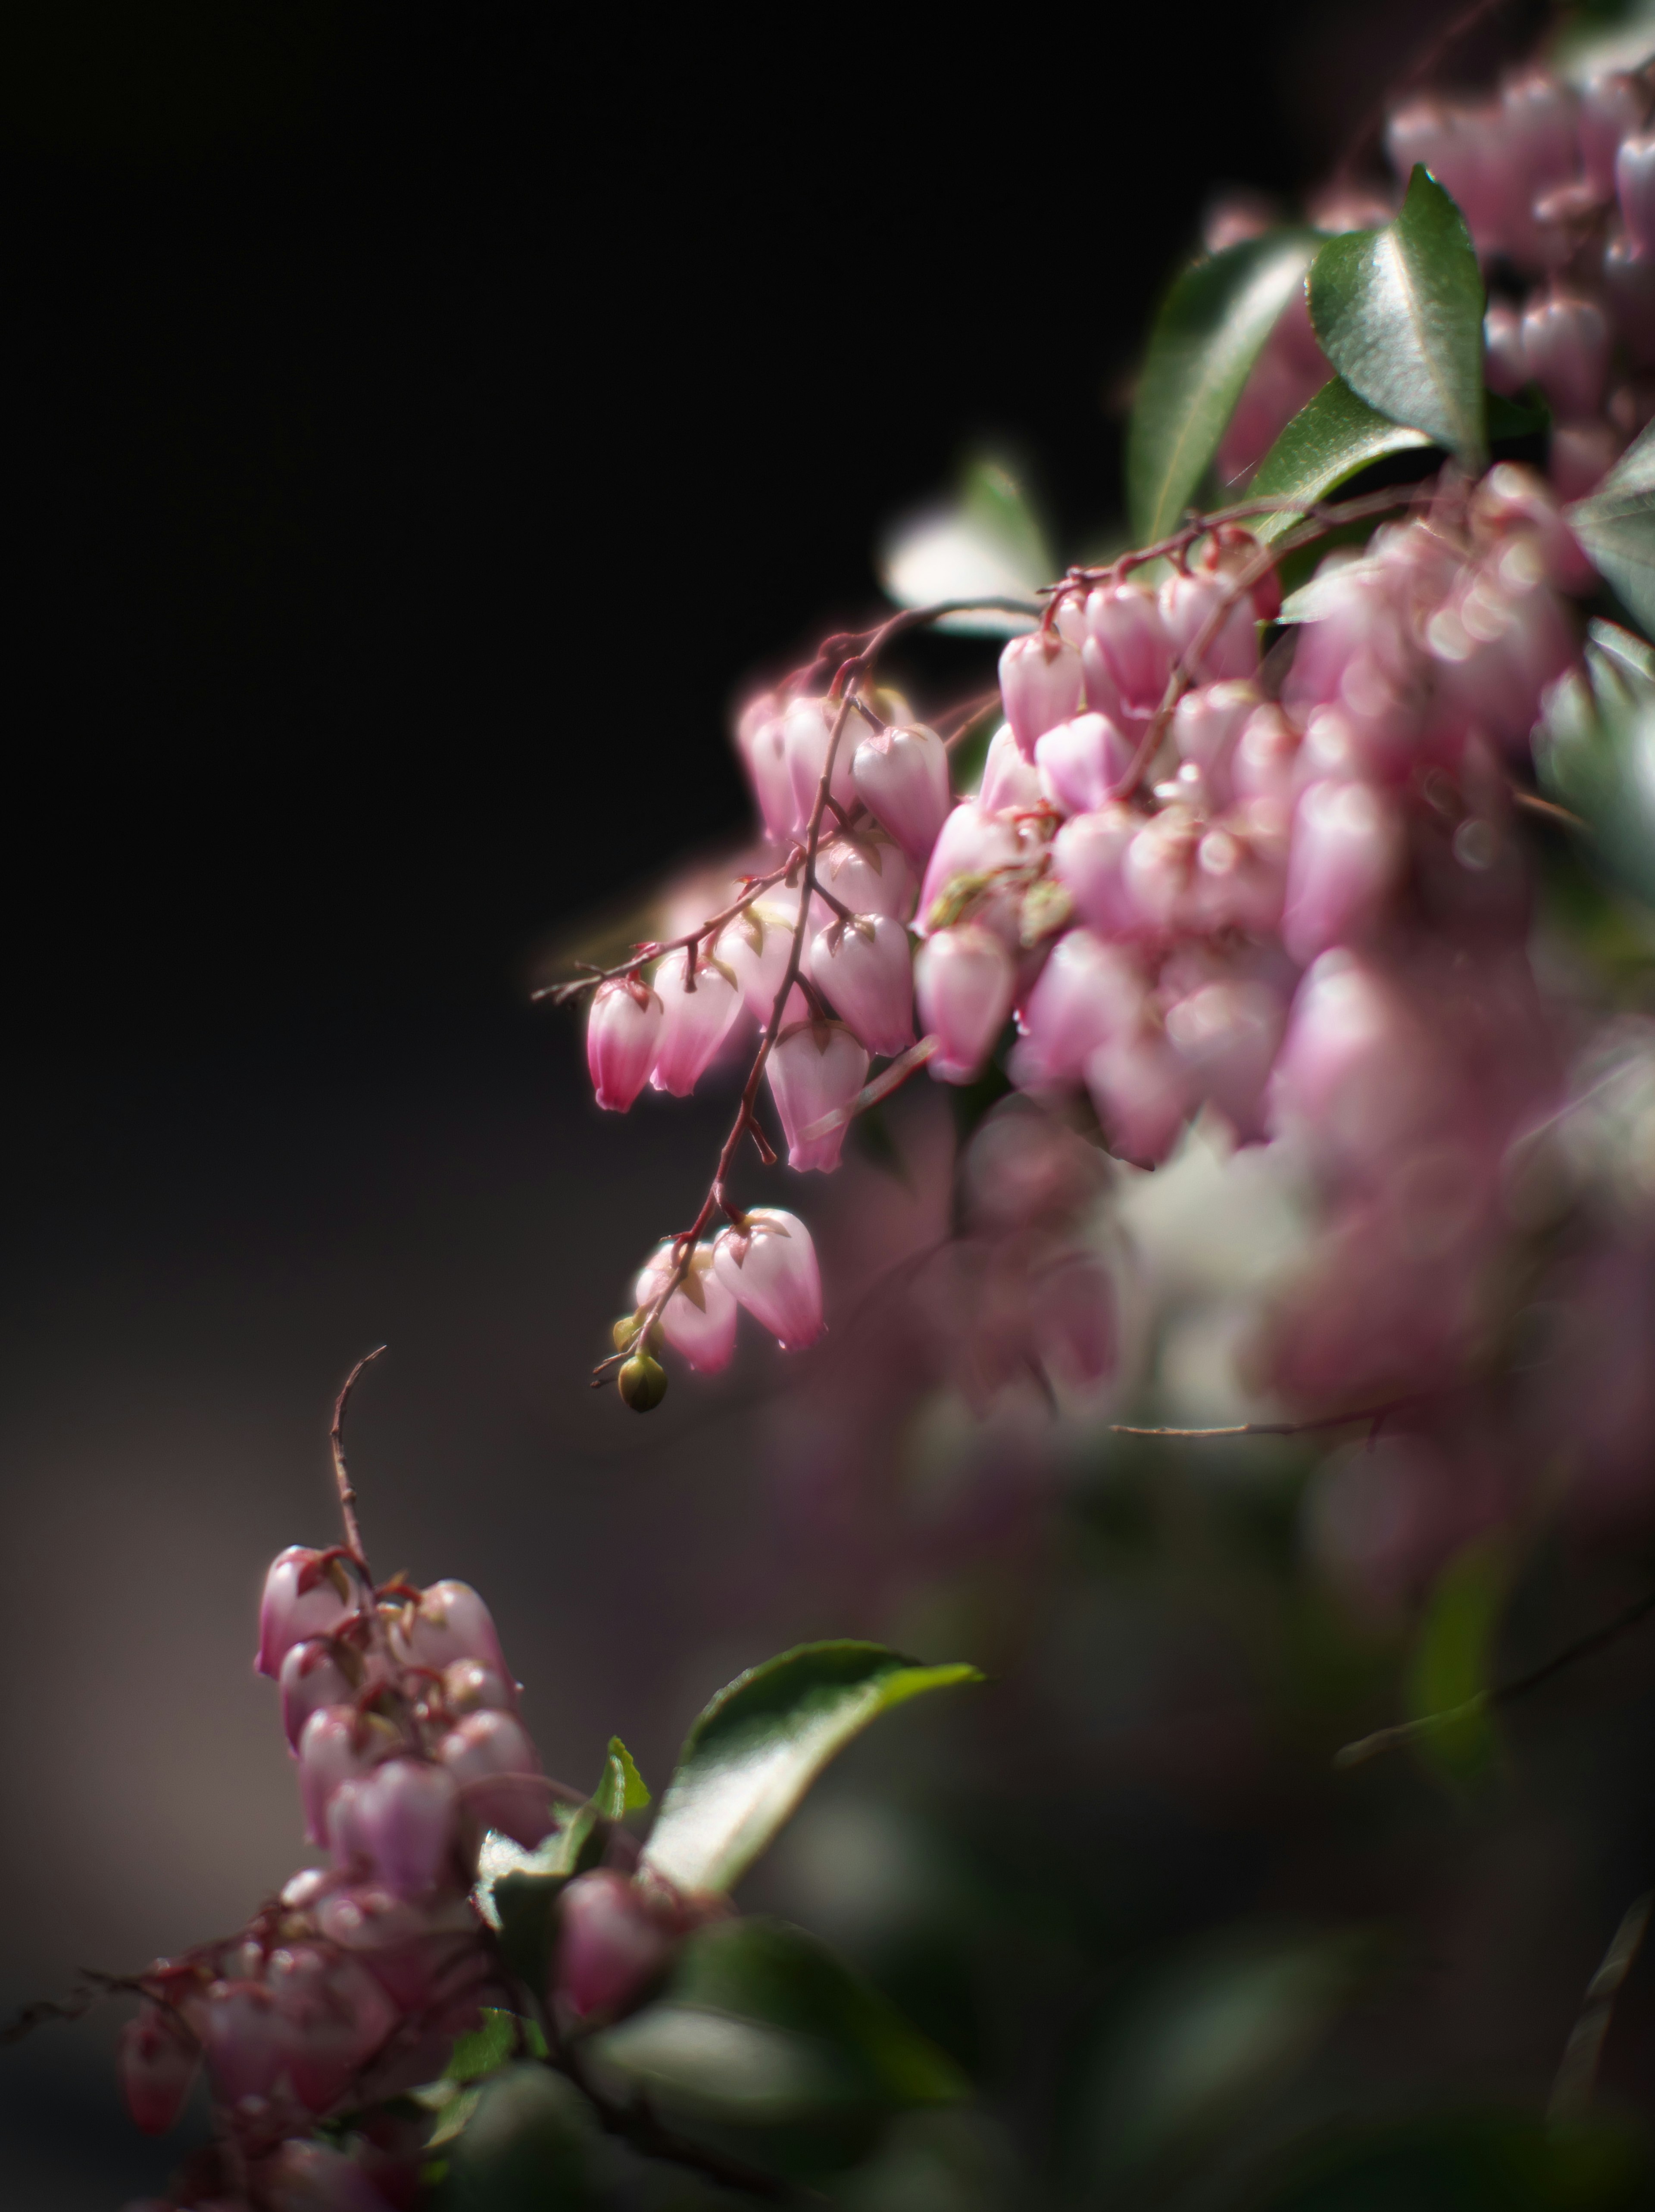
[622, 1790]
[1617, 526]
[1451, 1667]
[1596, 752]
[986, 542]
[1398, 312]
[516, 1891]
[761, 1743]
[482, 2049]
[1205, 339]
[1330, 438]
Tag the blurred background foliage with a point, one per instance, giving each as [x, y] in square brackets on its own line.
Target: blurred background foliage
[420, 424]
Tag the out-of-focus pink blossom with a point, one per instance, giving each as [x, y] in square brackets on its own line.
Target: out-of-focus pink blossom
[1040, 681]
[336, 1744]
[1071, 1317]
[1506, 367]
[448, 1622]
[1264, 762]
[1345, 865]
[623, 1033]
[963, 980]
[1290, 370]
[1629, 287]
[243, 2039]
[615, 1938]
[694, 1022]
[1081, 763]
[809, 725]
[333, 2016]
[698, 1320]
[472, 1686]
[1634, 187]
[769, 1265]
[399, 1821]
[1088, 855]
[1565, 349]
[1189, 603]
[155, 2065]
[762, 743]
[814, 1068]
[972, 843]
[1142, 1091]
[902, 778]
[756, 947]
[305, 1593]
[314, 1673]
[1089, 991]
[1208, 726]
[1225, 1034]
[497, 1772]
[865, 967]
[1009, 781]
[311, 2176]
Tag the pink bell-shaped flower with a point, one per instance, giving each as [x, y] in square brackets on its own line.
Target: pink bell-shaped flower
[305, 1595]
[694, 1022]
[614, 1939]
[769, 1265]
[865, 967]
[1141, 1093]
[623, 1033]
[1612, 107]
[1264, 763]
[243, 2039]
[1087, 992]
[1505, 367]
[1188, 603]
[155, 2065]
[315, 1673]
[1158, 872]
[964, 980]
[1040, 681]
[399, 1821]
[698, 1320]
[902, 778]
[1081, 763]
[1226, 1034]
[448, 1622]
[1565, 348]
[868, 874]
[809, 725]
[1010, 783]
[1206, 728]
[1127, 655]
[312, 2176]
[1347, 858]
[755, 948]
[1634, 187]
[472, 1686]
[497, 1770]
[1088, 855]
[336, 1746]
[971, 842]
[813, 1069]
[762, 743]
[333, 2016]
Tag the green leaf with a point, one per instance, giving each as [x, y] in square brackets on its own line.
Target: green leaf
[1617, 526]
[1399, 313]
[1450, 1672]
[764, 2027]
[761, 1743]
[622, 1790]
[516, 1890]
[987, 542]
[484, 2050]
[1203, 345]
[1331, 437]
[523, 2147]
[1596, 752]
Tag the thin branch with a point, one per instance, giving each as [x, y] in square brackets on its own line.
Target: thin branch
[1577, 2076]
[559, 995]
[1549, 811]
[1266, 1428]
[353, 1535]
[1584, 1647]
[888, 1080]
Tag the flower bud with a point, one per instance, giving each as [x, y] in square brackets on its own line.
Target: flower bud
[470, 1686]
[1127, 655]
[1634, 187]
[642, 1382]
[448, 1622]
[1612, 107]
[399, 1822]
[1189, 603]
[762, 746]
[1504, 365]
[333, 2016]
[497, 1771]
[336, 1744]
[964, 980]
[694, 1022]
[1009, 783]
[809, 726]
[1081, 763]
[1226, 1034]
[314, 1673]
[305, 1593]
[769, 1265]
[623, 1033]
[866, 968]
[698, 1320]
[814, 1069]
[243, 2040]
[1086, 858]
[867, 874]
[1565, 345]
[614, 1939]
[1346, 860]
[1040, 681]
[902, 778]
[1087, 992]
[1141, 1093]
[1206, 728]
[756, 947]
[971, 843]
[1157, 873]
[155, 2065]
[311, 2176]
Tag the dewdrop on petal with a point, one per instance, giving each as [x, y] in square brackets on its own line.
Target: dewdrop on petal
[623, 1032]
[769, 1264]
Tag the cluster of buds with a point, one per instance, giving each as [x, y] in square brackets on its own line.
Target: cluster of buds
[1293, 900]
[348, 1990]
[1557, 187]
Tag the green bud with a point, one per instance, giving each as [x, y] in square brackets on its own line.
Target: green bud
[643, 1382]
[624, 1331]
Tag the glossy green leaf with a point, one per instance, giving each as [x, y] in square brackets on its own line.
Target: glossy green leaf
[763, 2026]
[1450, 1671]
[622, 1790]
[986, 542]
[1596, 752]
[761, 1743]
[1203, 345]
[1617, 526]
[522, 2146]
[517, 1890]
[1331, 437]
[1398, 312]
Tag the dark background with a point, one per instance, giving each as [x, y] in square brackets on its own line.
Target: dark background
[417, 424]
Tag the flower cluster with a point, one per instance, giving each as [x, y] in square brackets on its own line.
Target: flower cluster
[348, 1990]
